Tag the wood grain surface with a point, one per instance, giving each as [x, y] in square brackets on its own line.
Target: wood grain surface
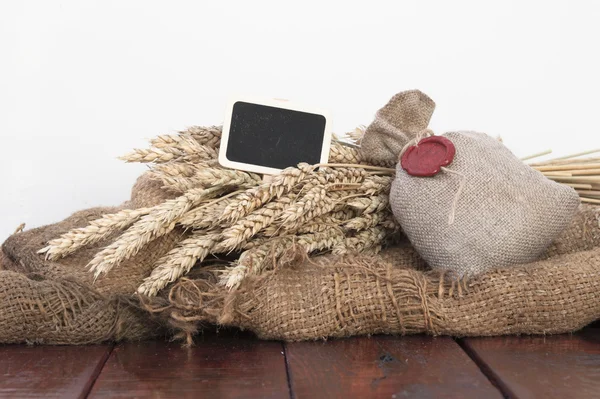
[558, 366]
[233, 365]
[49, 371]
[387, 367]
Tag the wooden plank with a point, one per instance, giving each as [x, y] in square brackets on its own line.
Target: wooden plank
[218, 366]
[382, 366]
[559, 366]
[49, 371]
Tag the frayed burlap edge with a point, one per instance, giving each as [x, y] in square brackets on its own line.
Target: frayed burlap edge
[393, 293]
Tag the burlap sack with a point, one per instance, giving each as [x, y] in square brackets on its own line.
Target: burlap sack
[405, 115]
[395, 294]
[486, 209]
[505, 212]
[58, 302]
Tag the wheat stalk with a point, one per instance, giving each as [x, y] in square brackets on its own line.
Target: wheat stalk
[366, 221]
[309, 202]
[375, 185]
[96, 231]
[335, 201]
[209, 136]
[205, 176]
[340, 153]
[255, 260]
[309, 207]
[255, 197]
[182, 169]
[160, 221]
[323, 222]
[357, 134]
[185, 149]
[247, 227]
[186, 145]
[179, 261]
[206, 216]
[370, 238]
[370, 204]
[147, 156]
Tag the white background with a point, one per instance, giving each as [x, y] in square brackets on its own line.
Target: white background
[82, 82]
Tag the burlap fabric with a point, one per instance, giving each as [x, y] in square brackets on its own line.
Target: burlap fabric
[58, 302]
[405, 115]
[506, 213]
[395, 293]
[486, 209]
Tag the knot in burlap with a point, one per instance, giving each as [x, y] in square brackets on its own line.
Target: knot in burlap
[399, 121]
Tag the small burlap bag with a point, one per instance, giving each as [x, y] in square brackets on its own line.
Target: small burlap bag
[405, 115]
[58, 302]
[486, 209]
[395, 293]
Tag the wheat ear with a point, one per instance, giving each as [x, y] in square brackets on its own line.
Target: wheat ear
[178, 262]
[186, 149]
[256, 197]
[254, 261]
[357, 134]
[96, 231]
[375, 185]
[370, 238]
[147, 156]
[311, 200]
[185, 145]
[324, 222]
[370, 204]
[367, 220]
[206, 216]
[244, 229]
[160, 221]
[340, 153]
[334, 201]
[205, 176]
[209, 136]
[181, 169]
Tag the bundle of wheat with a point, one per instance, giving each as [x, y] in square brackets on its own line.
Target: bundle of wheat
[341, 206]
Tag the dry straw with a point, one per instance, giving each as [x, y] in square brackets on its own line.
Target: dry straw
[583, 174]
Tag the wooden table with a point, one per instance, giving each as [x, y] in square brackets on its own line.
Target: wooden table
[234, 364]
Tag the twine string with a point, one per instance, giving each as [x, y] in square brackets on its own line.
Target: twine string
[415, 140]
[461, 186]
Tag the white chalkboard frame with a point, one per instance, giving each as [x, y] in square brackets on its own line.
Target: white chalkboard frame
[284, 104]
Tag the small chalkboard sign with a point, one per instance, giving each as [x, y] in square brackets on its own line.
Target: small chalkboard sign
[266, 136]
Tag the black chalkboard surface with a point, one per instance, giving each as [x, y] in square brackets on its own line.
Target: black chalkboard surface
[267, 138]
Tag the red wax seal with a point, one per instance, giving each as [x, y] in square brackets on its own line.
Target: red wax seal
[428, 156]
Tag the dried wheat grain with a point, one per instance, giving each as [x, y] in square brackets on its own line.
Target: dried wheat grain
[96, 231]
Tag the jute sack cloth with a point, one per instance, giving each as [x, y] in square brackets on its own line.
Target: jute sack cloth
[396, 293]
[57, 302]
[403, 117]
[486, 209]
